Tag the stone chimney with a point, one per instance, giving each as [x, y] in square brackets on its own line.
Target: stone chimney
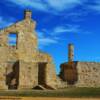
[70, 53]
[27, 14]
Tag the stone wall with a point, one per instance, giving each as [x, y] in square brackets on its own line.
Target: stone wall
[28, 75]
[26, 53]
[3, 76]
[88, 74]
[51, 78]
[28, 56]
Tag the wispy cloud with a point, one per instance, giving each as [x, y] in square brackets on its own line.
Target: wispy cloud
[45, 40]
[77, 16]
[55, 34]
[56, 7]
[65, 28]
[95, 6]
[49, 5]
[37, 4]
[61, 5]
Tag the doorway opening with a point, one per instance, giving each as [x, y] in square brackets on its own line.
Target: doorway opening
[42, 73]
[12, 75]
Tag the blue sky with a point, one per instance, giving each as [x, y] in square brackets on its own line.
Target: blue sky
[60, 22]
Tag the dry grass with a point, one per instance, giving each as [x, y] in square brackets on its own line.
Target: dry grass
[65, 93]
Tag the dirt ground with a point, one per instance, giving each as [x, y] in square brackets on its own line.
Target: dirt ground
[45, 98]
[59, 99]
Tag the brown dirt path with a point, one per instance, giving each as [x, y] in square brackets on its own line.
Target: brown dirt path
[38, 98]
[44, 98]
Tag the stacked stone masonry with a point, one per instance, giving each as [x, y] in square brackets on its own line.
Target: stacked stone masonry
[19, 64]
[82, 74]
[23, 66]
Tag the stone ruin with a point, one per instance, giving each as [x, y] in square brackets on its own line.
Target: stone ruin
[79, 74]
[23, 66]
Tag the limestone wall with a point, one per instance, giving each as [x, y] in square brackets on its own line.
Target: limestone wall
[61, 83]
[51, 78]
[88, 74]
[26, 39]
[26, 53]
[3, 54]
[28, 75]
[3, 76]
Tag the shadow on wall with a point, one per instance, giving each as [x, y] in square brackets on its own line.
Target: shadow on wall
[12, 78]
[69, 73]
[42, 84]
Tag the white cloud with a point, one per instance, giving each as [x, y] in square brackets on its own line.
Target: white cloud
[48, 5]
[54, 34]
[47, 41]
[38, 4]
[77, 16]
[95, 6]
[69, 28]
[65, 29]
[63, 4]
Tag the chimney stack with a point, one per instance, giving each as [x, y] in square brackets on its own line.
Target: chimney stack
[27, 14]
[70, 53]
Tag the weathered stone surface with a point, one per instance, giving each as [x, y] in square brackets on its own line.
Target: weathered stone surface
[78, 74]
[3, 76]
[23, 66]
[20, 63]
[88, 74]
